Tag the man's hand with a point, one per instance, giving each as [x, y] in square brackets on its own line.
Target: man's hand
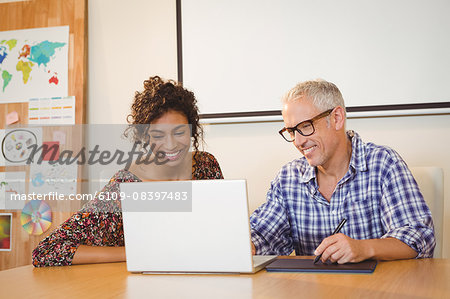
[253, 248]
[342, 249]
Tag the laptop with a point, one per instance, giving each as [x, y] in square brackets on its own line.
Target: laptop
[188, 227]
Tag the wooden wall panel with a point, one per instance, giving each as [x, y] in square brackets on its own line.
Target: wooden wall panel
[37, 14]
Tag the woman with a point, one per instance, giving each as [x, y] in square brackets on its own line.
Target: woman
[90, 236]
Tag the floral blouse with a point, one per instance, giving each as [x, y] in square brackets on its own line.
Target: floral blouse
[93, 228]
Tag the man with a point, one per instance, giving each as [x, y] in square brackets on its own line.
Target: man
[339, 177]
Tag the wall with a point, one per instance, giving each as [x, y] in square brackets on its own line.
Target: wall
[128, 42]
[252, 150]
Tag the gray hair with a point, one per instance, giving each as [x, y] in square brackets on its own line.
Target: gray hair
[324, 95]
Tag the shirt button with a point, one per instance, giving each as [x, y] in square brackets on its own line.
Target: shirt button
[334, 212]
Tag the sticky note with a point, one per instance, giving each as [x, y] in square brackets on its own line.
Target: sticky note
[52, 152]
[59, 136]
[12, 117]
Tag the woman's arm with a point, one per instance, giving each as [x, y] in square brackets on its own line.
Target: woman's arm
[96, 230]
[98, 225]
[98, 254]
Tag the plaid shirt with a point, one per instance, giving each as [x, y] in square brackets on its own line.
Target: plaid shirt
[378, 195]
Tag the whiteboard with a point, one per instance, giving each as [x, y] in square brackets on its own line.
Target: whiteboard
[240, 56]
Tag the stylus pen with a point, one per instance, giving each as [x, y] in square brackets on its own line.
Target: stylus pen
[338, 228]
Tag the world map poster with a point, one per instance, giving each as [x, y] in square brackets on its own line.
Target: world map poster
[34, 63]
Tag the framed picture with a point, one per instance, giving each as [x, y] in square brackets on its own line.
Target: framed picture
[5, 231]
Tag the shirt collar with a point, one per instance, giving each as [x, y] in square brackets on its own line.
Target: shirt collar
[309, 174]
[357, 160]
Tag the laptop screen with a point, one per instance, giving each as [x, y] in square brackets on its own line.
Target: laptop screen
[195, 226]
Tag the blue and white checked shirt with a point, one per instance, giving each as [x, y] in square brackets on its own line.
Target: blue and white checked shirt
[378, 195]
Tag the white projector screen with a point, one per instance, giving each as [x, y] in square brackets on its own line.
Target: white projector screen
[240, 56]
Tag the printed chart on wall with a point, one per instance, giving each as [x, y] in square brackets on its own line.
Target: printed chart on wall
[12, 186]
[34, 63]
[46, 178]
[18, 144]
[52, 111]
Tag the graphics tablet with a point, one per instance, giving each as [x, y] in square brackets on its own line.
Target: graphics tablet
[307, 265]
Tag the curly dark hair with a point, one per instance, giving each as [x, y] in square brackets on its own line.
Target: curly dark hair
[158, 97]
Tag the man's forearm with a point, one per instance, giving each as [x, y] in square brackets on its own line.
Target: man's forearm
[387, 249]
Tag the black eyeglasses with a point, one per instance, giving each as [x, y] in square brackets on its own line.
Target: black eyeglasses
[305, 128]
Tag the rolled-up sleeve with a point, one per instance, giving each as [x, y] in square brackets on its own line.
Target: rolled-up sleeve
[271, 231]
[405, 215]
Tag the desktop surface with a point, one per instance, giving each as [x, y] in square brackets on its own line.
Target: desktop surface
[423, 278]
